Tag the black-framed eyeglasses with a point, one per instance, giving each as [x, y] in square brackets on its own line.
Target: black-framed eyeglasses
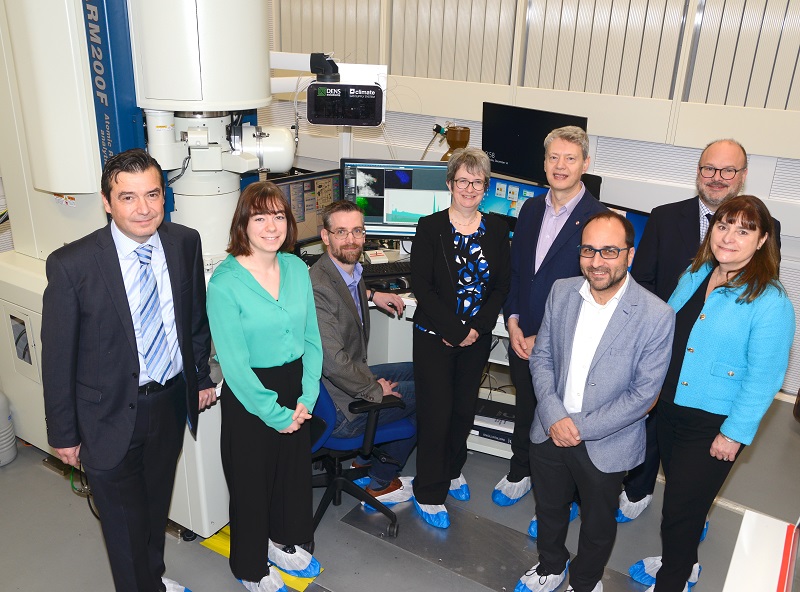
[342, 233]
[727, 173]
[605, 252]
[478, 184]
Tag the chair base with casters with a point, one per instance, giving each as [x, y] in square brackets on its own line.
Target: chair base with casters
[331, 452]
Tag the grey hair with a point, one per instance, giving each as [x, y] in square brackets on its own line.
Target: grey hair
[569, 133]
[474, 160]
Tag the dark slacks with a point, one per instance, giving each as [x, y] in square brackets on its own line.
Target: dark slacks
[557, 472]
[268, 476]
[447, 383]
[694, 479]
[133, 498]
[524, 408]
[641, 481]
[382, 473]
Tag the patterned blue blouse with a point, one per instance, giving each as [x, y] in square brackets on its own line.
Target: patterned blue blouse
[472, 271]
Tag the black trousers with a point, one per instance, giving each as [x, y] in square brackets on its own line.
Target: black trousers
[557, 472]
[268, 476]
[525, 406]
[447, 382]
[641, 481]
[133, 498]
[694, 479]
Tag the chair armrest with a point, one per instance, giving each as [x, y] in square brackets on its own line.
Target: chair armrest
[362, 406]
[374, 410]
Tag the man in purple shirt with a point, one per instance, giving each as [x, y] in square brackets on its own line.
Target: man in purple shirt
[544, 249]
[342, 302]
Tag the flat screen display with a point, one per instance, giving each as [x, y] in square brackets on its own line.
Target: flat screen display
[635, 217]
[506, 196]
[395, 194]
[307, 196]
[513, 137]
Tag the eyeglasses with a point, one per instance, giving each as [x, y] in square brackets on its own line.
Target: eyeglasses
[478, 184]
[727, 173]
[341, 233]
[605, 252]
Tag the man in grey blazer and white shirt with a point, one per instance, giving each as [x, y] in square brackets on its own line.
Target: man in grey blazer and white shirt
[598, 363]
[342, 302]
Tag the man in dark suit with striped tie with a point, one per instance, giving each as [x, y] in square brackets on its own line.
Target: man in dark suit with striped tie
[125, 347]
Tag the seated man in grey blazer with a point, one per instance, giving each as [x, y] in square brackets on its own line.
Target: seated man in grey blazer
[598, 363]
[342, 302]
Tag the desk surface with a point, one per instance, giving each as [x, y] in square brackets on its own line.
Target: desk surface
[764, 556]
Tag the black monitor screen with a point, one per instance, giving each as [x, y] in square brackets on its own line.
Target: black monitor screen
[636, 217]
[513, 137]
[307, 195]
[395, 194]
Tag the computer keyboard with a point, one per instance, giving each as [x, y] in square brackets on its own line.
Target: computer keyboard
[393, 268]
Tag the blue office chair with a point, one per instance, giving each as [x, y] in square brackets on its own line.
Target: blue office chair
[331, 452]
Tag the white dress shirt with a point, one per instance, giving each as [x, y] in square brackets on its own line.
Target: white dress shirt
[592, 322]
[129, 264]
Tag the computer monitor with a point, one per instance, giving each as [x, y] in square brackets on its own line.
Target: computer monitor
[505, 196]
[307, 195]
[636, 217]
[395, 194]
[513, 137]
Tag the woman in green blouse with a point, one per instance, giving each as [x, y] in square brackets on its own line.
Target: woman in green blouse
[264, 327]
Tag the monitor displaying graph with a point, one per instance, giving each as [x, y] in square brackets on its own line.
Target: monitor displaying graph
[395, 194]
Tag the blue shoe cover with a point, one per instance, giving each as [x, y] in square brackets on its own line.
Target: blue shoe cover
[281, 589]
[459, 489]
[629, 510]
[645, 571]
[573, 511]
[362, 482]
[312, 571]
[508, 493]
[533, 528]
[540, 583]
[704, 533]
[440, 519]
[300, 563]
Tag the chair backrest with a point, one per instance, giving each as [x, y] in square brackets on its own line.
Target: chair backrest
[326, 410]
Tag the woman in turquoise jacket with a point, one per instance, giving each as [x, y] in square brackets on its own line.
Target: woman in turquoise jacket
[264, 327]
[734, 328]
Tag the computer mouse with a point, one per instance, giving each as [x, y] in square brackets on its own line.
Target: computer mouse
[378, 285]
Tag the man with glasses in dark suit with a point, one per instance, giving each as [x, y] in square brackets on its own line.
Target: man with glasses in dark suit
[669, 243]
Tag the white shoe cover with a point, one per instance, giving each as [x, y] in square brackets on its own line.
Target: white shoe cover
[645, 571]
[531, 581]
[459, 488]
[434, 514]
[300, 564]
[629, 510]
[507, 493]
[173, 586]
[398, 496]
[598, 587]
[271, 582]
